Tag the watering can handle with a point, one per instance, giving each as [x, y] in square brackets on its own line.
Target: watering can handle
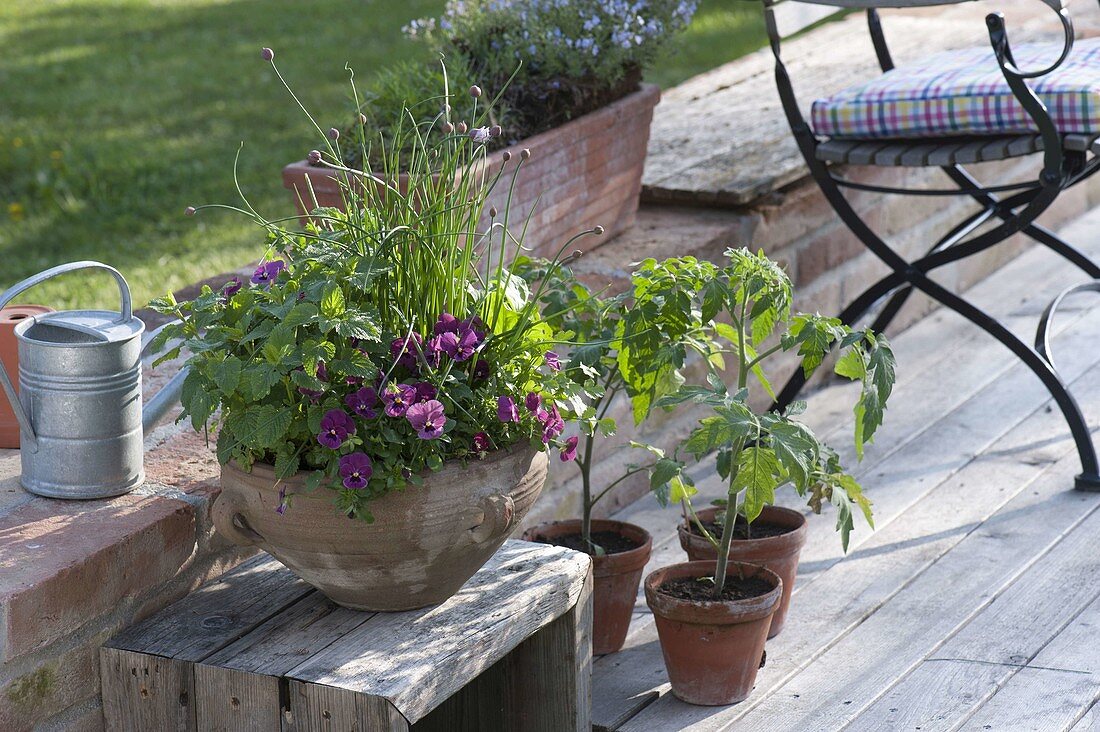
[125, 316]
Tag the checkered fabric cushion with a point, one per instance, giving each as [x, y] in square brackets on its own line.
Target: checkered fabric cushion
[964, 93]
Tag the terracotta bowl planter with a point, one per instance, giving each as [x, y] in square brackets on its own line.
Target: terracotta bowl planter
[615, 578]
[583, 173]
[425, 542]
[9, 353]
[777, 553]
[712, 649]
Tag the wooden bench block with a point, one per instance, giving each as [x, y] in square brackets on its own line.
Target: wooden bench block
[261, 650]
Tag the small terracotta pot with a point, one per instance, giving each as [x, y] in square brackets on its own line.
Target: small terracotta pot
[9, 352]
[777, 553]
[425, 542]
[712, 649]
[615, 578]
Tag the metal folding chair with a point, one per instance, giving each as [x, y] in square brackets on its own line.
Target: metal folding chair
[1066, 161]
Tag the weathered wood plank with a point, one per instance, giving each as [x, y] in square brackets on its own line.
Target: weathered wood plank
[868, 659]
[1057, 683]
[468, 634]
[216, 614]
[142, 692]
[1090, 720]
[1045, 694]
[560, 657]
[235, 701]
[321, 708]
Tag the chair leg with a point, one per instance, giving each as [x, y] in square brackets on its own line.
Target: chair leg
[1065, 249]
[1089, 479]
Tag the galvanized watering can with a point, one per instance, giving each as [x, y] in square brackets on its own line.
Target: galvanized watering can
[79, 404]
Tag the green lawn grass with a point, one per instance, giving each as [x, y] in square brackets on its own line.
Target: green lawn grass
[117, 114]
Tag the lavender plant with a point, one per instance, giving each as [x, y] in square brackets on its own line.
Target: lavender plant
[389, 337]
[564, 57]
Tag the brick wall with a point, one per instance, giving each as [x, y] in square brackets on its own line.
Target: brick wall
[73, 573]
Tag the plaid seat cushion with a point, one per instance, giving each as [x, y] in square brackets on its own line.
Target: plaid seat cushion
[964, 93]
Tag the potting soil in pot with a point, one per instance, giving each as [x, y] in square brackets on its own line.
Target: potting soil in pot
[760, 529]
[611, 542]
[701, 589]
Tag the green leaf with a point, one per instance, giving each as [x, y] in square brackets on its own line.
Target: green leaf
[664, 470]
[758, 475]
[851, 365]
[227, 374]
[796, 449]
[286, 462]
[262, 427]
[681, 489]
[332, 301]
[300, 314]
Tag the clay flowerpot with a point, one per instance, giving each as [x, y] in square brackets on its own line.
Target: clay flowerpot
[585, 172]
[9, 352]
[777, 553]
[425, 542]
[615, 577]
[712, 649]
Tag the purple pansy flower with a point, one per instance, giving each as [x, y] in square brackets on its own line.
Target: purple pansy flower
[336, 427]
[552, 424]
[404, 350]
[322, 371]
[553, 361]
[569, 452]
[425, 391]
[461, 345]
[481, 369]
[427, 418]
[433, 350]
[533, 402]
[506, 409]
[266, 273]
[481, 442]
[232, 287]
[363, 402]
[398, 398]
[356, 470]
[447, 323]
[281, 508]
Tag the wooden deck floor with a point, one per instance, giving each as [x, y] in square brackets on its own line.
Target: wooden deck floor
[975, 604]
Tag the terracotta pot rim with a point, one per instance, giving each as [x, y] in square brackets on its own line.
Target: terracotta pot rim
[712, 612]
[609, 564]
[786, 543]
[267, 470]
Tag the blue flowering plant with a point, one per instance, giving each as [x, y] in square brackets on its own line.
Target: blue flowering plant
[555, 59]
[388, 338]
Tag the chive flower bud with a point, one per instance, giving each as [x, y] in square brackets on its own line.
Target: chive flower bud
[189, 211]
[598, 231]
[475, 91]
[314, 157]
[493, 211]
[448, 128]
[525, 154]
[333, 133]
[266, 53]
[462, 128]
[507, 156]
[495, 131]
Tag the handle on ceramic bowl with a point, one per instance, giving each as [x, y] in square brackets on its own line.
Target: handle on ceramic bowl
[232, 524]
[498, 518]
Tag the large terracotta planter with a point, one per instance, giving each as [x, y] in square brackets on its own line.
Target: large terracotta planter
[425, 542]
[615, 578]
[9, 353]
[583, 173]
[713, 649]
[777, 553]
